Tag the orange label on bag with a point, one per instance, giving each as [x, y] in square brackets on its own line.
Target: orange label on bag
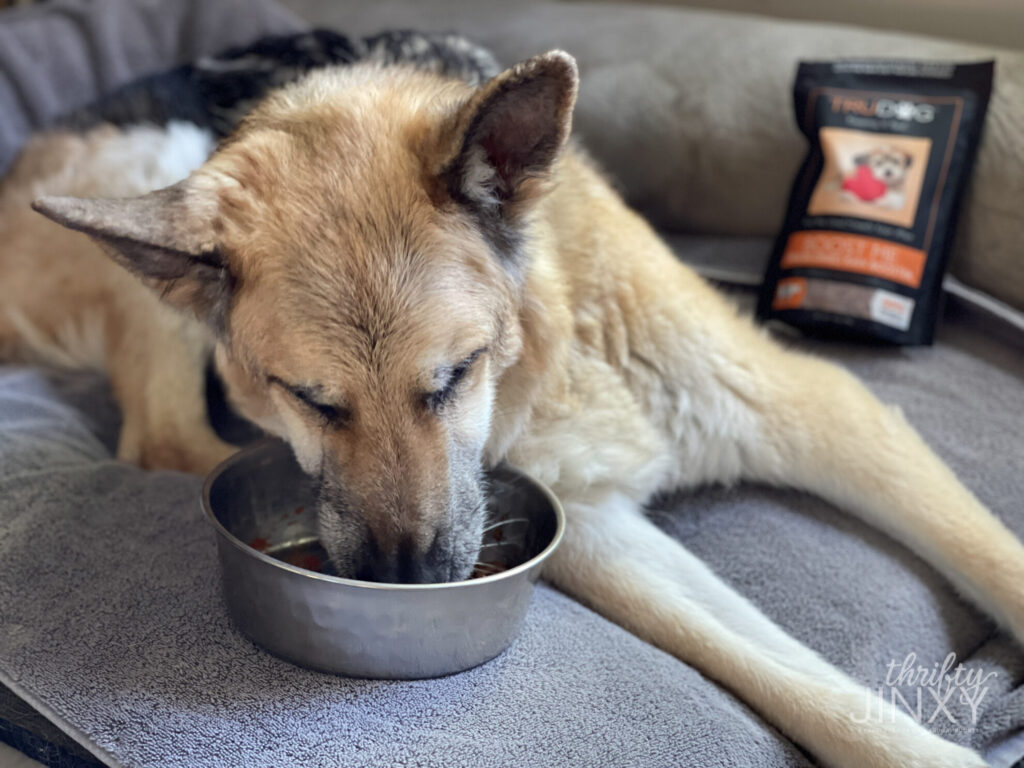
[862, 255]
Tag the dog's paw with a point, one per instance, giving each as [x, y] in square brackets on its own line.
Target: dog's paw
[197, 456]
[196, 460]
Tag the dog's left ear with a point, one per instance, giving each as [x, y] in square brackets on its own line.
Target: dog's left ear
[165, 237]
[907, 160]
[509, 134]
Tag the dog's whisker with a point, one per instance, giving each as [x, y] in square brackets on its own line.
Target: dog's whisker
[500, 523]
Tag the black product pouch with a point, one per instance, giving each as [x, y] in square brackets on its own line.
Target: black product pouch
[872, 212]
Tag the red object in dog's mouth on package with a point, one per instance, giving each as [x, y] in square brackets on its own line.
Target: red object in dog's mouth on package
[871, 216]
[864, 184]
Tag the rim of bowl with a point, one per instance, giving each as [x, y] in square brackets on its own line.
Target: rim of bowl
[242, 453]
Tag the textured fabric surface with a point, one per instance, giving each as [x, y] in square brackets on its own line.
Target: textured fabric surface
[112, 618]
[66, 53]
[692, 111]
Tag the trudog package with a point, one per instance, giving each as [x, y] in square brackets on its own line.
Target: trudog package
[871, 215]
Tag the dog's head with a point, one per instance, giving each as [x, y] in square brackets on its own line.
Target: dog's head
[887, 164]
[358, 251]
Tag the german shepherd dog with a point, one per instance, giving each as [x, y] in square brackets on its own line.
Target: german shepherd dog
[409, 278]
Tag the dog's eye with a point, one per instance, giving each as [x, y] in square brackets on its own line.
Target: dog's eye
[435, 401]
[333, 413]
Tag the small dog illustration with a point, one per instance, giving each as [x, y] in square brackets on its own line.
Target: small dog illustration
[408, 278]
[878, 178]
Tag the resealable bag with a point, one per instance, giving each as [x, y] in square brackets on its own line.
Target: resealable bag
[872, 212]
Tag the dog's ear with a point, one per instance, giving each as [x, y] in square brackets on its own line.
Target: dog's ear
[907, 159]
[509, 134]
[165, 237]
[861, 159]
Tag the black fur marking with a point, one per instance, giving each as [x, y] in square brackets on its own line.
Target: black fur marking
[217, 92]
[446, 54]
[504, 237]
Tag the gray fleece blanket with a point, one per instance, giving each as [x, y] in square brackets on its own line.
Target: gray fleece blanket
[112, 623]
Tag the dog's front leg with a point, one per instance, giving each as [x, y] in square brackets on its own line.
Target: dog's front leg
[619, 563]
[156, 361]
[824, 432]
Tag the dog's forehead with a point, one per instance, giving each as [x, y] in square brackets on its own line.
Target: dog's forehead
[341, 133]
[276, 188]
[364, 338]
[389, 292]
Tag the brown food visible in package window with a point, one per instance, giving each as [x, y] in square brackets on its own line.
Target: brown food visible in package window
[871, 216]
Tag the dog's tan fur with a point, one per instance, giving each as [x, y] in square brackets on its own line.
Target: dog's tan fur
[359, 226]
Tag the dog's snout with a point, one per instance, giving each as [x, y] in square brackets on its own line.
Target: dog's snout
[405, 563]
[392, 538]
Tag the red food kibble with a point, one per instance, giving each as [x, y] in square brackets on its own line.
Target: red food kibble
[259, 545]
[298, 510]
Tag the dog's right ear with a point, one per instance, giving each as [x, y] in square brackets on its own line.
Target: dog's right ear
[861, 159]
[165, 237]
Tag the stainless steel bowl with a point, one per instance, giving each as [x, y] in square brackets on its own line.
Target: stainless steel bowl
[361, 628]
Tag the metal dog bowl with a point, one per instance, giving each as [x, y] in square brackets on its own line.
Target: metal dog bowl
[259, 496]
